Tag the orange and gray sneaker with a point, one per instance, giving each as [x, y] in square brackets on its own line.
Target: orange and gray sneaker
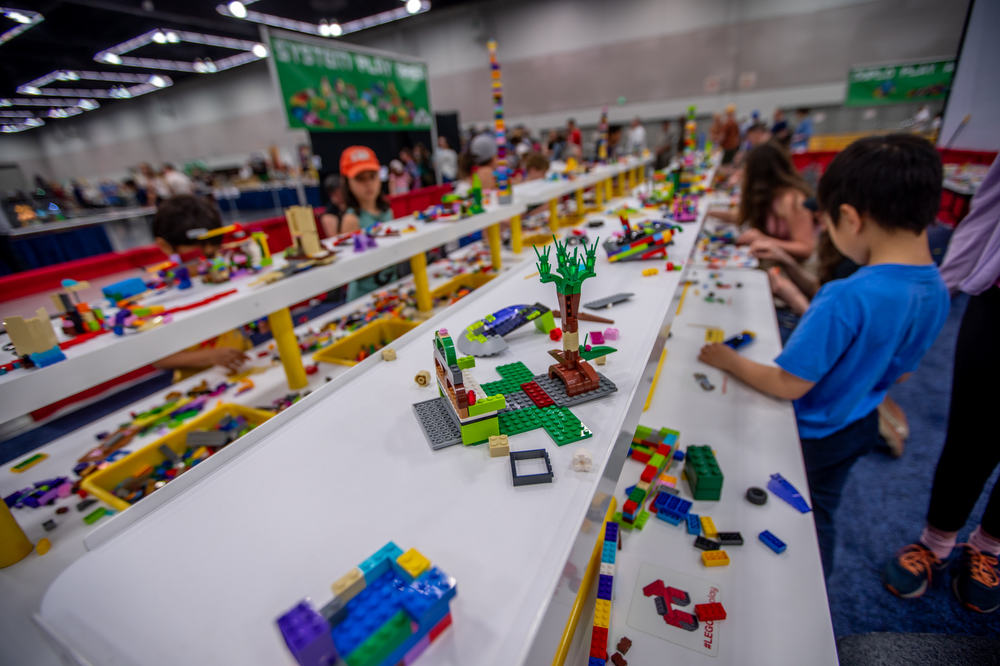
[975, 580]
[912, 570]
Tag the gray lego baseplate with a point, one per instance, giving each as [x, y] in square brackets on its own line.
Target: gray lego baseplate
[608, 301]
[557, 391]
[516, 400]
[440, 426]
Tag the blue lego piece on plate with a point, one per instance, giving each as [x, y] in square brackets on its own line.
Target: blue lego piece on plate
[772, 542]
[604, 587]
[427, 593]
[366, 612]
[786, 491]
[307, 635]
[379, 564]
[694, 524]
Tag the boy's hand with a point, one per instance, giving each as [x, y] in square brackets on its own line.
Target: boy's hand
[718, 355]
[749, 236]
[227, 357]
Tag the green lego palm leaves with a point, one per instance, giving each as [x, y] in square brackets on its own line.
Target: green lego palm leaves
[571, 270]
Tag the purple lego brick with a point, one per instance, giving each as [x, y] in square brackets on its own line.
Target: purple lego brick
[611, 532]
[604, 586]
[416, 650]
[308, 636]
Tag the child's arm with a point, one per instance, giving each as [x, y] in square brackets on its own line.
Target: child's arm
[767, 248]
[204, 358]
[764, 378]
[783, 288]
[725, 214]
[349, 222]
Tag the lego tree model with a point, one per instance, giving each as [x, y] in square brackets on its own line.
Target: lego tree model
[573, 369]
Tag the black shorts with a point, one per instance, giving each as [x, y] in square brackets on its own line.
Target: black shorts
[728, 155]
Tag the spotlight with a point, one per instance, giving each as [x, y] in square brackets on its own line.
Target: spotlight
[31, 90]
[159, 37]
[324, 28]
[259, 50]
[88, 104]
[413, 6]
[172, 37]
[158, 81]
[336, 30]
[112, 58]
[18, 16]
[237, 9]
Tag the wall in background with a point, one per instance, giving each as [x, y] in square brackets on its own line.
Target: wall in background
[559, 57]
[976, 90]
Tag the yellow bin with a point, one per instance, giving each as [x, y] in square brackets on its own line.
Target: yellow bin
[379, 332]
[103, 483]
[468, 280]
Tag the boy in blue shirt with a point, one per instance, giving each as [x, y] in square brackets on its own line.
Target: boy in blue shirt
[863, 333]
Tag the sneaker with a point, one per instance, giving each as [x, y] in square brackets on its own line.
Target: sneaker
[912, 570]
[975, 581]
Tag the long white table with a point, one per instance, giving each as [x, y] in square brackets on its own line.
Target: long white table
[109, 356]
[776, 604]
[301, 499]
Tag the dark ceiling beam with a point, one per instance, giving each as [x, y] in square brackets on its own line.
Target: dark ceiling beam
[223, 24]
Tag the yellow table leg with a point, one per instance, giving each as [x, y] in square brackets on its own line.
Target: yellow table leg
[554, 215]
[493, 234]
[631, 179]
[515, 234]
[288, 347]
[418, 264]
[610, 183]
[599, 195]
[579, 204]
[621, 184]
[14, 546]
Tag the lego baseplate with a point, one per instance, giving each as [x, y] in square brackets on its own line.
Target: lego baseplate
[608, 301]
[439, 424]
[557, 390]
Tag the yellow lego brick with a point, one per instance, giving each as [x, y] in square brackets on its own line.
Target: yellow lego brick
[714, 558]
[349, 585]
[413, 562]
[602, 613]
[644, 486]
[708, 527]
[714, 335]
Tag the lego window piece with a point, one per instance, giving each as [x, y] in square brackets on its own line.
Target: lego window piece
[530, 479]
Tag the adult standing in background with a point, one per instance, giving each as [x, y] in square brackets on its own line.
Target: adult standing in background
[636, 141]
[780, 130]
[574, 140]
[446, 160]
[730, 141]
[176, 182]
[714, 132]
[668, 146]
[922, 119]
[803, 131]
[150, 182]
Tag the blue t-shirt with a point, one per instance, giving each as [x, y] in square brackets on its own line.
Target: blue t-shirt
[859, 335]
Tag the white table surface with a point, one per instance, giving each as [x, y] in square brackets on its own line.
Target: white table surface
[540, 191]
[776, 604]
[308, 495]
[109, 356]
[22, 585]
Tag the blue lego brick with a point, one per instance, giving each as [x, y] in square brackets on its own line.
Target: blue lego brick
[47, 357]
[772, 542]
[683, 507]
[670, 517]
[608, 553]
[379, 564]
[594, 661]
[307, 635]
[678, 455]
[366, 612]
[611, 532]
[694, 523]
[628, 491]
[427, 594]
[604, 586]
[423, 628]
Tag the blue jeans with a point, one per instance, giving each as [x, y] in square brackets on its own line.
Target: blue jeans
[828, 461]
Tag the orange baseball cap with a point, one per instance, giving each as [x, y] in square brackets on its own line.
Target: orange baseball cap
[356, 159]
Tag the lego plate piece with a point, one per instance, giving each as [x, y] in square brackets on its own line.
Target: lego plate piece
[643, 615]
[439, 425]
[557, 390]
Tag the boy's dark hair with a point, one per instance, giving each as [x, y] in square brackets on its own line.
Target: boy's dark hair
[536, 161]
[893, 179]
[184, 213]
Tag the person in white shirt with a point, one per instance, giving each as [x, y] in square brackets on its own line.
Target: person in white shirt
[922, 119]
[177, 182]
[447, 160]
[636, 140]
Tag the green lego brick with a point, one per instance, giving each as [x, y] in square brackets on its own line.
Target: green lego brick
[480, 431]
[658, 461]
[466, 362]
[514, 374]
[491, 404]
[703, 495]
[563, 426]
[637, 495]
[617, 518]
[546, 322]
[703, 474]
[640, 520]
[382, 642]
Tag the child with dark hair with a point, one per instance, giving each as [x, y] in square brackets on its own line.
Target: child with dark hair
[536, 166]
[178, 223]
[863, 333]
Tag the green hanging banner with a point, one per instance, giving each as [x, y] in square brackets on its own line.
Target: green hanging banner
[895, 84]
[336, 89]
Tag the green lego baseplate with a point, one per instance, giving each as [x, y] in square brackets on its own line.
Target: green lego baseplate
[703, 473]
[560, 423]
[514, 374]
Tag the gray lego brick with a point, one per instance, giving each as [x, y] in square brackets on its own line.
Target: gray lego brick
[608, 301]
[438, 423]
[211, 438]
[517, 400]
[557, 391]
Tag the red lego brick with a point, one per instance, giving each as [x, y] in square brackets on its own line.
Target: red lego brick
[537, 394]
[439, 627]
[599, 643]
[679, 597]
[624, 644]
[648, 474]
[630, 508]
[664, 450]
[640, 456]
[708, 612]
[618, 660]
[654, 589]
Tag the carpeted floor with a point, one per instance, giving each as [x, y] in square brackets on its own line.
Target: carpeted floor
[884, 506]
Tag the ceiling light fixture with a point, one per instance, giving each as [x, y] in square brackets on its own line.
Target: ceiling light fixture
[25, 19]
[411, 8]
[237, 9]
[85, 104]
[28, 124]
[136, 84]
[249, 51]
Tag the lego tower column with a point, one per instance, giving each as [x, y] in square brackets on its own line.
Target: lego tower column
[14, 545]
[504, 189]
[288, 348]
